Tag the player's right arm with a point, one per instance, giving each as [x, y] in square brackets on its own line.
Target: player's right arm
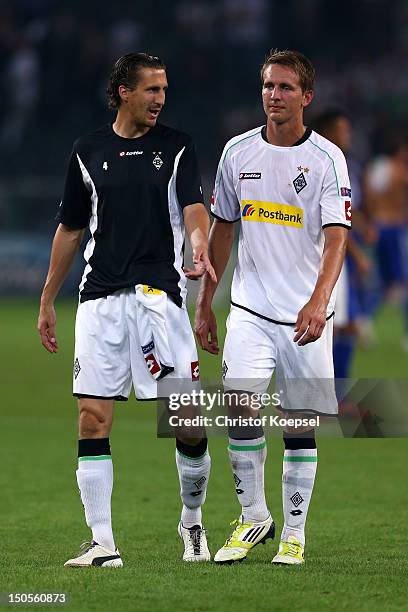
[226, 209]
[64, 248]
[73, 215]
[219, 249]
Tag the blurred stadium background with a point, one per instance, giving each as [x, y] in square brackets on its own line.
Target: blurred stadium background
[55, 58]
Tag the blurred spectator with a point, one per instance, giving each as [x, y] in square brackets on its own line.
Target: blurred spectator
[246, 23]
[196, 22]
[21, 82]
[60, 60]
[387, 181]
[335, 125]
[125, 36]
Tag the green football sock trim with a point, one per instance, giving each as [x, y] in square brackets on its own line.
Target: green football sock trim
[255, 447]
[95, 458]
[192, 458]
[311, 459]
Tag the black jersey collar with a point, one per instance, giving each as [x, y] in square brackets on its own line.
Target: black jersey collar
[137, 139]
[305, 136]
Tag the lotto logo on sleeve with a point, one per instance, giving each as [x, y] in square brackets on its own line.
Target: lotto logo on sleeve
[345, 192]
[195, 371]
[272, 212]
[347, 210]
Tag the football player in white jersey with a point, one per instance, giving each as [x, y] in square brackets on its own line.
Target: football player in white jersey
[290, 189]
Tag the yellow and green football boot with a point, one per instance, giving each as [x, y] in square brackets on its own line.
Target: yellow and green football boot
[291, 552]
[245, 537]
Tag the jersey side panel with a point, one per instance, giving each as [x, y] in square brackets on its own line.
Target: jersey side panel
[188, 179]
[225, 204]
[335, 198]
[75, 208]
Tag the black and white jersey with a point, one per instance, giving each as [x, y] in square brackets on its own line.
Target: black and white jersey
[131, 192]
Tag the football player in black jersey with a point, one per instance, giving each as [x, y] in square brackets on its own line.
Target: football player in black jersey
[135, 184]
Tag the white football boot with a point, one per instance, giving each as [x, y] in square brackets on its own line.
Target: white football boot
[95, 555]
[195, 543]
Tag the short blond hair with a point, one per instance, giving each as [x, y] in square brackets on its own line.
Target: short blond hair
[295, 60]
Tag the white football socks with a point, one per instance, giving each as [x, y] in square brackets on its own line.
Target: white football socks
[193, 476]
[247, 459]
[299, 471]
[95, 482]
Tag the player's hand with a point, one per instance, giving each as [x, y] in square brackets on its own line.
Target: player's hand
[310, 323]
[47, 320]
[202, 264]
[364, 264]
[205, 329]
[370, 234]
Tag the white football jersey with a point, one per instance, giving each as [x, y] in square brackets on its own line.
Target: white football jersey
[284, 197]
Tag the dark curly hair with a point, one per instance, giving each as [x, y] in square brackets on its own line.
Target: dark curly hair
[125, 72]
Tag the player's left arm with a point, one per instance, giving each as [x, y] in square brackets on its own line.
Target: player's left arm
[312, 317]
[335, 205]
[196, 220]
[197, 226]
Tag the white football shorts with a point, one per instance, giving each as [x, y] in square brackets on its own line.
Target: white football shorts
[109, 355]
[255, 348]
[342, 298]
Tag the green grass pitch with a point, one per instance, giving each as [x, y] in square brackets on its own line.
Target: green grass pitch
[356, 535]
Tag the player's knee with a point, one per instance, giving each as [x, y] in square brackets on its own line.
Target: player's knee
[299, 439]
[93, 422]
[185, 438]
[194, 448]
[242, 404]
[297, 427]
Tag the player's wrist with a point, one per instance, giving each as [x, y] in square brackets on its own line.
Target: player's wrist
[199, 246]
[46, 301]
[204, 301]
[319, 300]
